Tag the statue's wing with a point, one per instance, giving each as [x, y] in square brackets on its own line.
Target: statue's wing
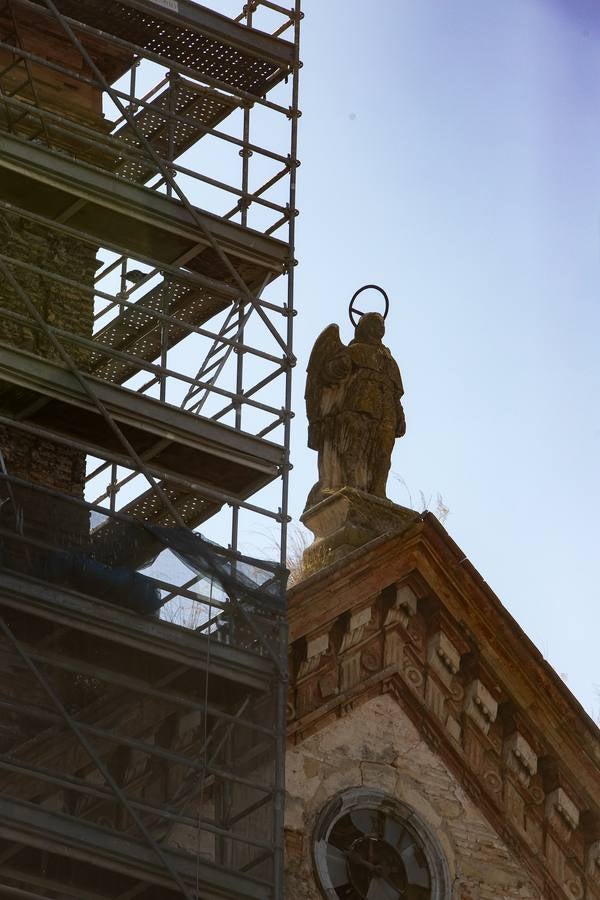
[326, 347]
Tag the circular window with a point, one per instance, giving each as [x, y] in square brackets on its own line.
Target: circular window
[369, 846]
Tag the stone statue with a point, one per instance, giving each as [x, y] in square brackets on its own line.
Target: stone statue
[354, 410]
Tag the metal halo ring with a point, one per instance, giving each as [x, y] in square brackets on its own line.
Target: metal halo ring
[352, 312]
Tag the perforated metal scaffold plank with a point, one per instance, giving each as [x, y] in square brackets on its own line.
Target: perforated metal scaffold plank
[193, 35]
[147, 507]
[142, 335]
[169, 138]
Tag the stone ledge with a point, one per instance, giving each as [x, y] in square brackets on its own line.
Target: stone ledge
[346, 520]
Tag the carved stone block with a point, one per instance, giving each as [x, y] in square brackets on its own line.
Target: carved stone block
[404, 606]
[306, 698]
[328, 684]
[359, 620]
[515, 804]
[412, 673]
[534, 831]
[560, 808]
[316, 648]
[453, 728]
[317, 645]
[371, 659]
[555, 858]
[573, 884]
[435, 697]
[593, 862]
[347, 519]
[520, 757]
[349, 671]
[393, 649]
[480, 706]
[475, 747]
[443, 657]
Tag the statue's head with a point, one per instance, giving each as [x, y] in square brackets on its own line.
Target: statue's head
[370, 328]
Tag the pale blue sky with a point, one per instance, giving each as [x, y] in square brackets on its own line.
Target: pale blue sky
[451, 152]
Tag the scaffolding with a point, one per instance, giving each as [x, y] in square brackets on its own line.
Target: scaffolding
[146, 319]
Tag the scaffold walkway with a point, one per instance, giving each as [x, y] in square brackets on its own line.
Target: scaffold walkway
[148, 163]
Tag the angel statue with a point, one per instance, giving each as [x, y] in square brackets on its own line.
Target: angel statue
[354, 410]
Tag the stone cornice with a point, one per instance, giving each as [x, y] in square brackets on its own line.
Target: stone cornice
[427, 548]
[532, 684]
[408, 614]
[361, 569]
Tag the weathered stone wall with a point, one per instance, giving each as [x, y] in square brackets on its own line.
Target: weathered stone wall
[409, 617]
[63, 306]
[376, 746]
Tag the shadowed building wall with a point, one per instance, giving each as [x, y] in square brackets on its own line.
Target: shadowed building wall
[37, 252]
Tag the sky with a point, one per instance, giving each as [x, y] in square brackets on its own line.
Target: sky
[451, 153]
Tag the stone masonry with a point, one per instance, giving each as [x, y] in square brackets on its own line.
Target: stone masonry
[28, 456]
[408, 675]
[377, 746]
[67, 98]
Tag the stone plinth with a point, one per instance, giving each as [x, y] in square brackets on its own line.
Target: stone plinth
[347, 519]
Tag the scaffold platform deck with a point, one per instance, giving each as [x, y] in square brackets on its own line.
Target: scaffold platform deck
[125, 680]
[199, 108]
[146, 325]
[187, 33]
[139, 331]
[177, 444]
[109, 210]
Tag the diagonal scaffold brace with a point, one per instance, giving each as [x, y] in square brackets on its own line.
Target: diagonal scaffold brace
[168, 177]
[131, 452]
[102, 768]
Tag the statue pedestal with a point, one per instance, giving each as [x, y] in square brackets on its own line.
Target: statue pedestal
[345, 520]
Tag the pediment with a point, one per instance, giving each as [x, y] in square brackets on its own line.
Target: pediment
[407, 617]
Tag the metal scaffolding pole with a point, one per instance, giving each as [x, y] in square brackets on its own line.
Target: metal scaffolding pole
[142, 368]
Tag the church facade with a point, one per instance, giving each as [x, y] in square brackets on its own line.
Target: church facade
[433, 754]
